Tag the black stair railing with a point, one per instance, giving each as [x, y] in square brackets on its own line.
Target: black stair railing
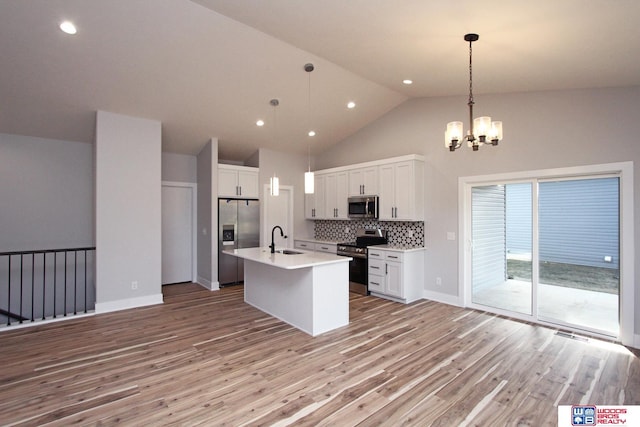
[46, 283]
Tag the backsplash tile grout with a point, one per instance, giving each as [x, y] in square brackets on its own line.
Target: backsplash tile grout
[398, 231]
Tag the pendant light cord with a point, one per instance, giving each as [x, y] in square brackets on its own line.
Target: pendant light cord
[309, 69]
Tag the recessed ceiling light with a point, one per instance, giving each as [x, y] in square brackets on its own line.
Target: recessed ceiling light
[68, 27]
[351, 104]
[407, 81]
[260, 123]
[312, 133]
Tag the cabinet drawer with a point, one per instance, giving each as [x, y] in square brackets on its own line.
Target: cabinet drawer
[375, 253]
[393, 256]
[303, 245]
[326, 247]
[376, 267]
[376, 283]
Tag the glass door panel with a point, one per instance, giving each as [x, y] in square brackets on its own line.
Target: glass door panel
[501, 228]
[579, 259]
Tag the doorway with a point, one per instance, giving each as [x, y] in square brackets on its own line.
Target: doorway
[178, 232]
[551, 247]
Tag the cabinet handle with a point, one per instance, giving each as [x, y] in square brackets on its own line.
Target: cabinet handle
[372, 254]
[375, 283]
[324, 248]
[391, 256]
[239, 190]
[375, 268]
[386, 269]
[362, 189]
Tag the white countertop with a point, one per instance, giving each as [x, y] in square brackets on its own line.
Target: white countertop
[398, 248]
[288, 262]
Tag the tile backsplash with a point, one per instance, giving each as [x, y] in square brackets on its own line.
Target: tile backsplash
[410, 233]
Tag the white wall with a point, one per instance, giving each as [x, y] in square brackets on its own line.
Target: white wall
[46, 192]
[541, 130]
[207, 173]
[128, 211]
[290, 169]
[179, 167]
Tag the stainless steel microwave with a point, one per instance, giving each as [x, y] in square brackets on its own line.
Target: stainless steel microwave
[363, 207]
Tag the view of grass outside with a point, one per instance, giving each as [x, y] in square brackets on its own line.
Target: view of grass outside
[596, 279]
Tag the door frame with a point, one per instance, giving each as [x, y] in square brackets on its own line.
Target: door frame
[194, 222]
[627, 243]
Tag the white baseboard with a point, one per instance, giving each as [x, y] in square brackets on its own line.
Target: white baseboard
[443, 298]
[212, 286]
[124, 304]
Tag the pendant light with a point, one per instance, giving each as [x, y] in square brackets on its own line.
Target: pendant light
[309, 176]
[486, 131]
[274, 182]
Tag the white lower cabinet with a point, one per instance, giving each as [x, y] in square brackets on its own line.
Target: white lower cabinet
[396, 274]
[303, 244]
[330, 248]
[312, 245]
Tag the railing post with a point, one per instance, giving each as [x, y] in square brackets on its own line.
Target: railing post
[21, 285]
[44, 285]
[33, 278]
[9, 294]
[55, 279]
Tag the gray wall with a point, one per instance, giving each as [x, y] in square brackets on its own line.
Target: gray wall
[204, 214]
[46, 189]
[179, 167]
[541, 130]
[128, 211]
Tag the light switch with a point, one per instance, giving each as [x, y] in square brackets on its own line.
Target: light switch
[451, 235]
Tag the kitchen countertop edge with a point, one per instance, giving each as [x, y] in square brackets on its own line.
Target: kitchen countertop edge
[288, 262]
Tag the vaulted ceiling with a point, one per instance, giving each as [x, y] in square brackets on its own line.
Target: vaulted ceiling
[208, 68]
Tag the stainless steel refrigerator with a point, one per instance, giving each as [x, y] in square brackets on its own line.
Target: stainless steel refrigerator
[238, 227]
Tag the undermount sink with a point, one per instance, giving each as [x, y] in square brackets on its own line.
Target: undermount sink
[288, 252]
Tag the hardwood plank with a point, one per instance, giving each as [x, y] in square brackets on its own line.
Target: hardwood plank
[207, 358]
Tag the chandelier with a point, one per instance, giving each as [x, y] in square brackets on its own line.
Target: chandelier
[482, 131]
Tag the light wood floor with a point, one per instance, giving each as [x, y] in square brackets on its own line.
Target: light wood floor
[206, 358]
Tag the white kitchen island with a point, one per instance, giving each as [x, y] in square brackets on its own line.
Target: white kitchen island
[309, 290]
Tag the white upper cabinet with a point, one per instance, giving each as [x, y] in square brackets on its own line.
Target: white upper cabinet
[363, 181]
[398, 182]
[336, 196]
[401, 191]
[314, 204]
[238, 182]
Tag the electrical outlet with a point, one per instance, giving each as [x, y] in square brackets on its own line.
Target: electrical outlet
[438, 281]
[346, 229]
[409, 233]
[134, 285]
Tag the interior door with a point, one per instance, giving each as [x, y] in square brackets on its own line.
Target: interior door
[177, 234]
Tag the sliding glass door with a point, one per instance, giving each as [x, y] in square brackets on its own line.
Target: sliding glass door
[579, 261]
[501, 250]
[548, 249]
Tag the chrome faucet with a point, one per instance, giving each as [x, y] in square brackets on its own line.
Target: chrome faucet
[273, 245]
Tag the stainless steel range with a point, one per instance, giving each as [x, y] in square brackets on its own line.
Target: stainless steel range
[358, 267]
